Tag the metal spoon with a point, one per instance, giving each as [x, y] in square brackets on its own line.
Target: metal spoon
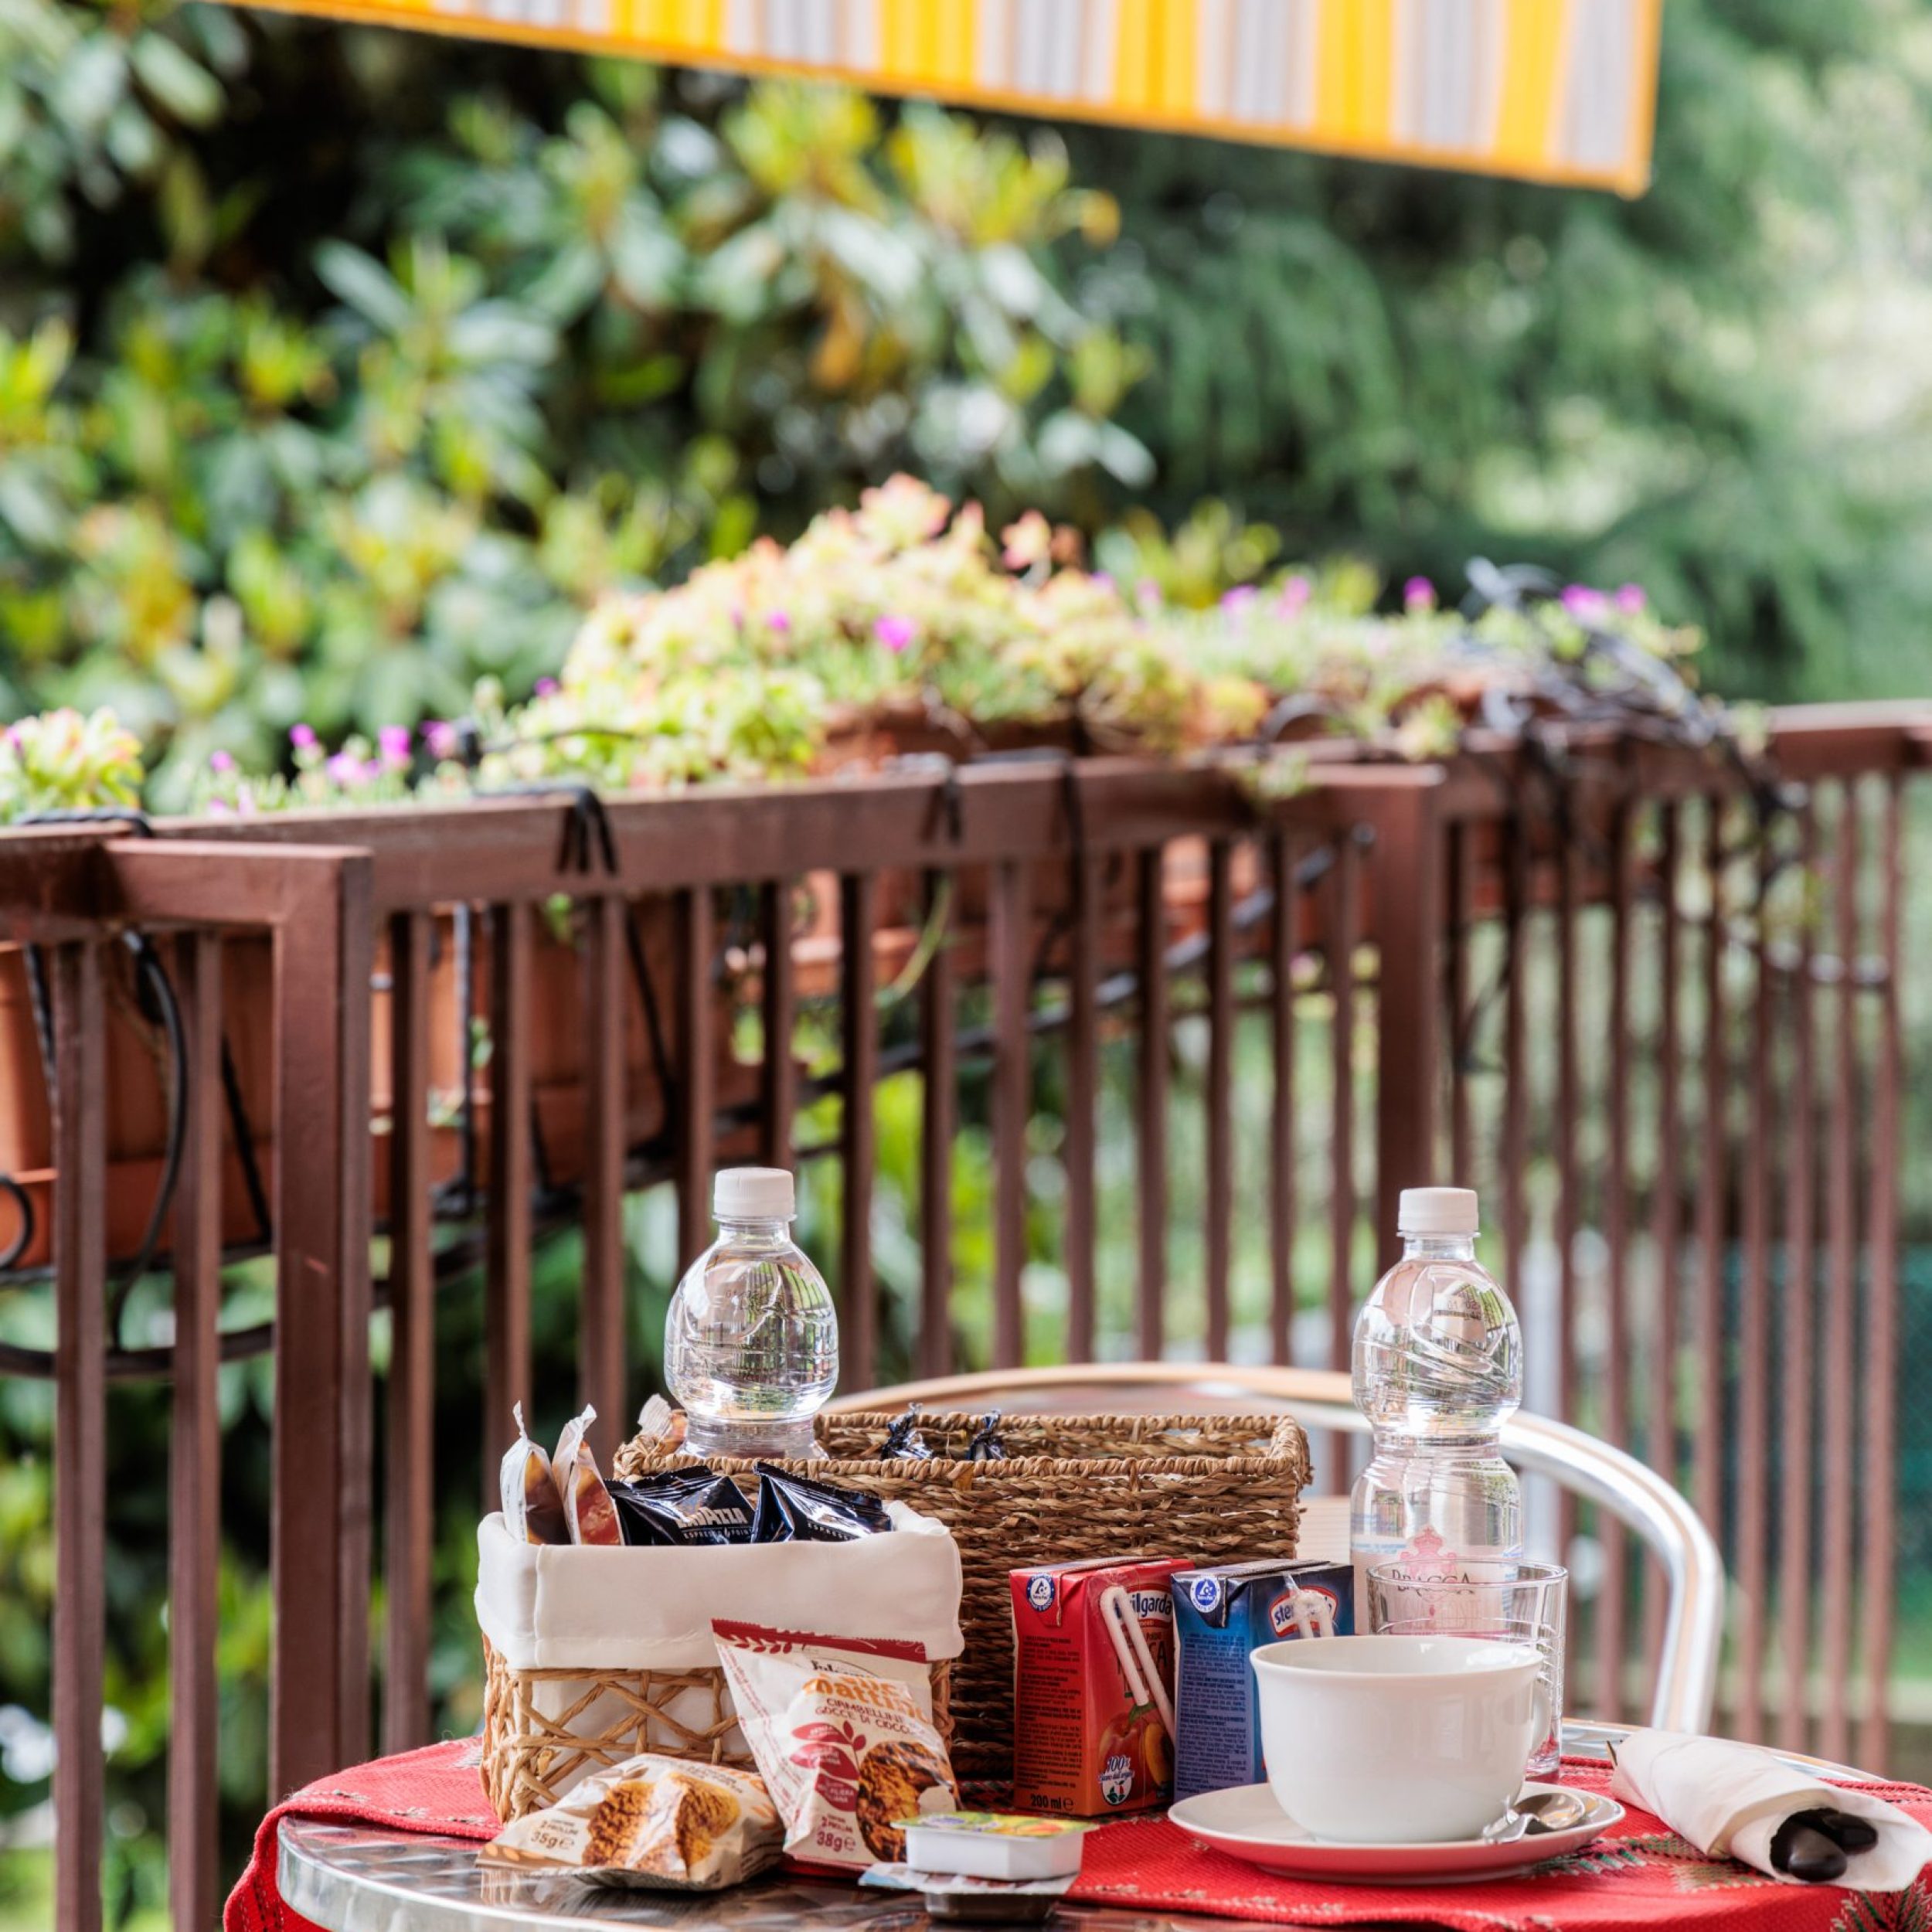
[1535, 1813]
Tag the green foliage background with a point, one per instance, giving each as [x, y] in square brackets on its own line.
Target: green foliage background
[337, 367]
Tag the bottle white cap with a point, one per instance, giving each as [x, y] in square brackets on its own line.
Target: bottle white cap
[1436, 1210]
[752, 1194]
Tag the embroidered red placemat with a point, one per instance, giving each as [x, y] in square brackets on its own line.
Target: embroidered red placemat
[1640, 1874]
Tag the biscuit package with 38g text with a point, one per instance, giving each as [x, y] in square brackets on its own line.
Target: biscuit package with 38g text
[652, 1821]
[843, 1731]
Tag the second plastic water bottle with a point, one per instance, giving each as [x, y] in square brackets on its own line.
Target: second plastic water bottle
[1437, 1366]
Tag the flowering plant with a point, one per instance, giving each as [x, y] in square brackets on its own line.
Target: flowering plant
[62, 761]
[899, 609]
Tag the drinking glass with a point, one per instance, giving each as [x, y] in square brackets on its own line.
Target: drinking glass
[1522, 1602]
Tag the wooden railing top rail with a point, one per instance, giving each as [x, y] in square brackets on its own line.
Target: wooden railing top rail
[513, 847]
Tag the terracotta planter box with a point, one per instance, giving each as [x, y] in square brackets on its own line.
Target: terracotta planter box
[136, 1075]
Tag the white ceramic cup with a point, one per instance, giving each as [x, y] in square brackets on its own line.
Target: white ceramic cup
[1393, 1740]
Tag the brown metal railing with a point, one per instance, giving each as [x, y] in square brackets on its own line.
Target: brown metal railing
[1510, 969]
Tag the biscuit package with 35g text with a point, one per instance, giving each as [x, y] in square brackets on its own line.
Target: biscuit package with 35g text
[651, 1822]
[843, 1731]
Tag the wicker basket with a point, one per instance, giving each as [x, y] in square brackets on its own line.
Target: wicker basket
[600, 1717]
[1214, 1488]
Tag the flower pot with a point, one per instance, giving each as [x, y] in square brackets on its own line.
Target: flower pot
[136, 1081]
[136, 1085]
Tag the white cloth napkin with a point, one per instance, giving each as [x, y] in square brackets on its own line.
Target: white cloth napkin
[1728, 1799]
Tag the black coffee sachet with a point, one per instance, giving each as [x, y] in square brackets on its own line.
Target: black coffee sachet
[801, 1509]
[673, 1507]
[904, 1443]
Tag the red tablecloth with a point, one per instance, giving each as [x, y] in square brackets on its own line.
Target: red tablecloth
[1640, 1875]
[438, 1789]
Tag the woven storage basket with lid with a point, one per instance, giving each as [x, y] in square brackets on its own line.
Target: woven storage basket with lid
[1214, 1488]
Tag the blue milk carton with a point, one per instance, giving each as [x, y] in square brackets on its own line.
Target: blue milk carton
[1221, 1614]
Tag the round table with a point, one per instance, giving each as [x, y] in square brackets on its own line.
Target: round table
[359, 1878]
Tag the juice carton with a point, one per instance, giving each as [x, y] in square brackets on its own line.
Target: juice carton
[1221, 1615]
[1092, 1685]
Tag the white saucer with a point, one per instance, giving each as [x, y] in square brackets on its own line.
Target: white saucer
[1246, 1823]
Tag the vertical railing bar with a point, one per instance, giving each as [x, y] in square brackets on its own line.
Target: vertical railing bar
[939, 1113]
[1344, 880]
[410, 1476]
[1840, 1502]
[1151, 1100]
[1661, 1433]
[779, 1001]
[1611, 1644]
[1754, 1444]
[1281, 1191]
[1460, 898]
[696, 1154]
[1798, 1319]
[1707, 1453]
[1082, 1101]
[1220, 1093]
[81, 1428]
[1882, 1330]
[1009, 944]
[322, 1457]
[858, 1318]
[194, 1524]
[1408, 900]
[601, 1365]
[1568, 1206]
[1515, 1100]
[506, 1319]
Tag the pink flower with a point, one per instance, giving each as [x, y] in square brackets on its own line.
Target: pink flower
[1418, 594]
[895, 632]
[1102, 580]
[547, 687]
[345, 769]
[778, 620]
[395, 741]
[1295, 594]
[302, 736]
[1630, 599]
[221, 761]
[1027, 543]
[443, 739]
[1237, 602]
[1581, 601]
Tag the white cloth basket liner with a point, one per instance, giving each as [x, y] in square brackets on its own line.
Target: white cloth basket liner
[551, 1607]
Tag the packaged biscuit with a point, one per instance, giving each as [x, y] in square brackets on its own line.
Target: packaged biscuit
[532, 1509]
[1222, 1615]
[588, 1511]
[679, 1508]
[1093, 1686]
[653, 1821]
[841, 1728]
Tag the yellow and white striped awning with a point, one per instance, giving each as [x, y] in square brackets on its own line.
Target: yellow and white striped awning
[1553, 90]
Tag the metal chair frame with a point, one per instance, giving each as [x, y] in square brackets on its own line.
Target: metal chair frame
[1661, 1520]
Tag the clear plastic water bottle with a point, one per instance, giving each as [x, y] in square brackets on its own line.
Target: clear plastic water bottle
[1438, 1365]
[751, 1343]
